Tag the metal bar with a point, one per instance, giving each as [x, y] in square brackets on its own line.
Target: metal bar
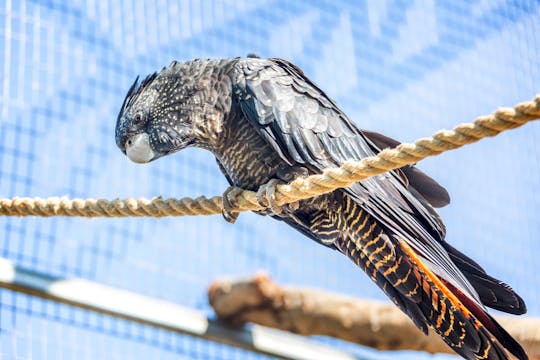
[162, 314]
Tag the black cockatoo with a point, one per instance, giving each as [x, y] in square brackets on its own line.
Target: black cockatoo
[265, 122]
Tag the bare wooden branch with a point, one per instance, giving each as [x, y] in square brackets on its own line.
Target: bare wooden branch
[313, 312]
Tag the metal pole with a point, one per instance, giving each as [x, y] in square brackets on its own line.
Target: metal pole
[162, 314]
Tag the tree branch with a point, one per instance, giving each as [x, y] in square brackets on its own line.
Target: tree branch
[314, 312]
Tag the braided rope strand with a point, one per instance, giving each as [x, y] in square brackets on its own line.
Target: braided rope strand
[302, 188]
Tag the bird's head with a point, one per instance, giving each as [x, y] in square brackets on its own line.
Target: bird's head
[167, 112]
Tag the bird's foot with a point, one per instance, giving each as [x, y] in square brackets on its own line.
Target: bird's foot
[266, 197]
[230, 203]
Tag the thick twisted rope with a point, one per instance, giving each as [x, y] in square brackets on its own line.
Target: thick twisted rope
[301, 188]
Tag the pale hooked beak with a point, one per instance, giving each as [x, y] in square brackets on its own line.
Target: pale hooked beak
[138, 149]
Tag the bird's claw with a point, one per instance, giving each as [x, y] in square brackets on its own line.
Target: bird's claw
[229, 203]
[266, 197]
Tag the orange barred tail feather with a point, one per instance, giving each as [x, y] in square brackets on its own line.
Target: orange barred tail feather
[493, 327]
[404, 303]
[428, 300]
[486, 339]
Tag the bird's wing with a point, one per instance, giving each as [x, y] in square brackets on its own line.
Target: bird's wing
[307, 128]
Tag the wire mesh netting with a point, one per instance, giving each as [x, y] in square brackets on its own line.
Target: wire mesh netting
[403, 68]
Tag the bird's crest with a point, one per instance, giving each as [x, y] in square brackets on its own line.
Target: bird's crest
[136, 88]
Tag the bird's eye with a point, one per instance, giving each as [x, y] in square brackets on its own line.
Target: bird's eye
[138, 118]
[129, 142]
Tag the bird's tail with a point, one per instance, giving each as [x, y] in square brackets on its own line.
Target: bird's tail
[492, 292]
[425, 297]
[490, 339]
